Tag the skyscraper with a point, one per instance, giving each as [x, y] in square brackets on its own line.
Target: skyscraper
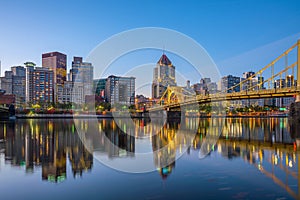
[39, 84]
[43, 79]
[19, 84]
[29, 81]
[228, 82]
[254, 82]
[81, 79]
[163, 76]
[120, 90]
[14, 82]
[6, 82]
[82, 72]
[57, 62]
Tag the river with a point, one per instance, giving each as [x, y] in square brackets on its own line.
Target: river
[223, 158]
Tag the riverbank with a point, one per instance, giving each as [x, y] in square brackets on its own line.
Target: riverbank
[110, 115]
[66, 116]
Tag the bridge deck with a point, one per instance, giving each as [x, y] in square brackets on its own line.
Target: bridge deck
[256, 94]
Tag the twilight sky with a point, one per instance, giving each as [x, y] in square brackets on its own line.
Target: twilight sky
[238, 35]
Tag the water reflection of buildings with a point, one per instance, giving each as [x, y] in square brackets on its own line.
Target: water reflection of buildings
[169, 143]
[45, 144]
[264, 143]
[121, 144]
[105, 136]
[277, 161]
[164, 148]
[48, 144]
[273, 130]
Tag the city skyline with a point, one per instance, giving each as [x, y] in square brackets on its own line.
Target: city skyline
[274, 32]
[169, 99]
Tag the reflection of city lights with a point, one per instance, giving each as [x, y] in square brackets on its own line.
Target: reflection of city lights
[294, 157]
[290, 163]
[4, 130]
[219, 148]
[275, 159]
[260, 156]
[259, 166]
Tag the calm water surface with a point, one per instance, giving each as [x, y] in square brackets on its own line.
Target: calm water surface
[49, 159]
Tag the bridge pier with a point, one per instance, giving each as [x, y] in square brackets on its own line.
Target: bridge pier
[294, 122]
[173, 114]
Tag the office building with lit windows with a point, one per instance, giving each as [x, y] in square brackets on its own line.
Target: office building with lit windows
[42, 85]
[57, 62]
[163, 76]
[120, 90]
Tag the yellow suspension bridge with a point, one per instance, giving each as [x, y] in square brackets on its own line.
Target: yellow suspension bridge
[283, 75]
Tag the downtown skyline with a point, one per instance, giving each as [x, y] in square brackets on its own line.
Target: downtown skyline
[31, 28]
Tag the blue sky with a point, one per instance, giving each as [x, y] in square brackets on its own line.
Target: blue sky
[238, 35]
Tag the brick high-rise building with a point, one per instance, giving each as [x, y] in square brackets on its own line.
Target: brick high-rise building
[57, 62]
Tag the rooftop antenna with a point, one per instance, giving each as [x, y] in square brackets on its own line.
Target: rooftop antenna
[164, 50]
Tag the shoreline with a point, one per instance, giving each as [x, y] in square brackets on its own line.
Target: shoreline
[89, 116]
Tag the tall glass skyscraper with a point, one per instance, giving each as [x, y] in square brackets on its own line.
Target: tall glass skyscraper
[82, 72]
[81, 76]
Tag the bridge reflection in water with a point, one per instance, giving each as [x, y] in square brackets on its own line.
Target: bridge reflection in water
[264, 143]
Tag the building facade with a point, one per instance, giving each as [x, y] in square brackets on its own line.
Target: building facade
[29, 81]
[6, 82]
[99, 87]
[253, 83]
[229, 81]
[14, 82]
[284, 83]
[120, 90]
[163, 76]
[205, 87]
[19, 84]
[72, 93]
[42, 85]
[82, 72]
[57, 62]
[79, 84]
